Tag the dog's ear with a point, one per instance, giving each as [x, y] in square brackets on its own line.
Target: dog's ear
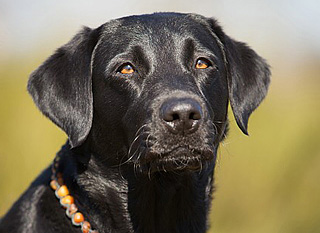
[62, 86]
[248, 76]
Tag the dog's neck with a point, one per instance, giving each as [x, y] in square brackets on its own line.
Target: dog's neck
[167, 202]
[117, 199]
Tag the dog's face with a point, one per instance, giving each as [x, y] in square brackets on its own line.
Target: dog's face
[151, 90]
[167, 82]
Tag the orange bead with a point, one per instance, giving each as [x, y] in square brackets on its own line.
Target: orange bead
[71, 210]
[78, 218]
[85, 227]
[67, 200]
[63, 191]
[53, 184]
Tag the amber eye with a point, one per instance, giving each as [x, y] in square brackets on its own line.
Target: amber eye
[126, 69]
[202, 63]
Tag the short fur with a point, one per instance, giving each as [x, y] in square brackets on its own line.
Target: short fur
[127, 169]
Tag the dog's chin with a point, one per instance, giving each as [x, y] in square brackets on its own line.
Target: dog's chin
[178, 160]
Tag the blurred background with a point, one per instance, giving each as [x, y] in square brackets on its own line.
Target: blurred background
[268, 182]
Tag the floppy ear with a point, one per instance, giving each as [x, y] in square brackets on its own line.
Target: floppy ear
[248, 81]
[248, 77]
[62, 87]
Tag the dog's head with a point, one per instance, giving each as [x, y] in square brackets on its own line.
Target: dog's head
[153, 88]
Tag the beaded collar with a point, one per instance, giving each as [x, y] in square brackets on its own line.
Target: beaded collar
[66, 200]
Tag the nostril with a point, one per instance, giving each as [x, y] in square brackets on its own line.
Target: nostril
[175, 116]
[169, 115]
[195, 115]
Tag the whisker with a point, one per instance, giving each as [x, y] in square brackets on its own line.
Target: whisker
[140, 129]
[214, 126]
[149, 173]
[132, 156]
[219, 122]
[147, 140]
[138, 135]
[130, 148]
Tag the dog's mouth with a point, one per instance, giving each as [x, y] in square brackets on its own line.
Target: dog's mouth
[179, 159]
[154, 151]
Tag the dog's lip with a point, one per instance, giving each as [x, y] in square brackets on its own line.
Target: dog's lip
[180, 158]
[179, 150]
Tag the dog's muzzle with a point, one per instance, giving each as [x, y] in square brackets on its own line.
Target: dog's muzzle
[179, 138]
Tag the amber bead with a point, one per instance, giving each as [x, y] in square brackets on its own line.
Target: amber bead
[63, 191]
[67, 200]
[53, 184]
[85, 227]
[71, 210]
[78, 218]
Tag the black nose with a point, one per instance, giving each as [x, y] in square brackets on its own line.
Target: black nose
[181, 115]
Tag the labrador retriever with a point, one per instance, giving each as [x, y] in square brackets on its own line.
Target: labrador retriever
[143, 100]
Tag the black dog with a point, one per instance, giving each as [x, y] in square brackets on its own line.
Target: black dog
[143, 100]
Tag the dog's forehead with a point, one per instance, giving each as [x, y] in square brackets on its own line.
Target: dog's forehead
[152, 30]
[158, 21]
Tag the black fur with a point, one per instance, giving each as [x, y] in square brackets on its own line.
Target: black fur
[126, 170]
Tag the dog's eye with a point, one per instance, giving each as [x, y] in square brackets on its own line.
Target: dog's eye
[202, 63]
[126, 69]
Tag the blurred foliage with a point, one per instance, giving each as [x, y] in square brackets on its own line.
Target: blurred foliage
[268, 182]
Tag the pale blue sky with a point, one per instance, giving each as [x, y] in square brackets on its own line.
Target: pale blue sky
[288, 28]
